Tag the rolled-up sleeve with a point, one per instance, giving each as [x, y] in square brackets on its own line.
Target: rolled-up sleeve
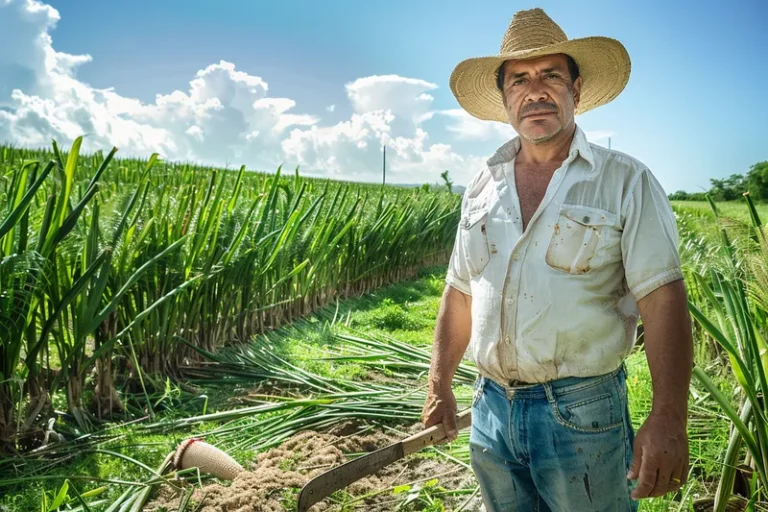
[649, 241]
[458, 272]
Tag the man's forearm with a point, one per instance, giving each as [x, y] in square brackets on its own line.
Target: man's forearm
[669, 348]
[452, 334]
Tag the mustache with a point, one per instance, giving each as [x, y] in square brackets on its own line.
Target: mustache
[537, 108]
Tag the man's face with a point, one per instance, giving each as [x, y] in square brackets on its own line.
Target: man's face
[540, 98]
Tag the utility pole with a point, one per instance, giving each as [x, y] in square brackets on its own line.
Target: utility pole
[609, 143]
[384, 167]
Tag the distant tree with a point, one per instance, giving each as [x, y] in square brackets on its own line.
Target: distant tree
[697, 196]
[728, 189]
[447, 180]
[757, 181]
[680, 195]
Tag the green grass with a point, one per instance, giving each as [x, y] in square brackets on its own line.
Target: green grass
[731, 209]
[707, 432]
[697, 218]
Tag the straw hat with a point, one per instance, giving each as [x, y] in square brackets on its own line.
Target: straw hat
[603, 63]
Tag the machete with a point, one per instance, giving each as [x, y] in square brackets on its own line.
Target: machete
[323, 485]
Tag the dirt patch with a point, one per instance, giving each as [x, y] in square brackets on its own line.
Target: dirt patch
[272, 482]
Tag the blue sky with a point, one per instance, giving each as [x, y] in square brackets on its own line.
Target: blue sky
[695, 106]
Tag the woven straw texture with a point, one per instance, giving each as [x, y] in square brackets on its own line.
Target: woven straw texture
[207, 458]
[603, 63]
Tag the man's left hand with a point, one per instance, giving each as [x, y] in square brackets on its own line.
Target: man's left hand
[660, 457]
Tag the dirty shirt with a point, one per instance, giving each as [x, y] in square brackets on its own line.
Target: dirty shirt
[560, 299]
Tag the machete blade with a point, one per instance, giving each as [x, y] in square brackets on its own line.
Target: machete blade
[339, 477]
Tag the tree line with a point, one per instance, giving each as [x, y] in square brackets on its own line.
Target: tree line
[755, 182]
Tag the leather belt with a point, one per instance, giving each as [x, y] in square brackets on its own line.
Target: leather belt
[514, 385]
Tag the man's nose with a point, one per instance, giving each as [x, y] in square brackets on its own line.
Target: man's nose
[536, 91]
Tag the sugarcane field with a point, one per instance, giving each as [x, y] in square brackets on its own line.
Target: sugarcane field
[329, 257]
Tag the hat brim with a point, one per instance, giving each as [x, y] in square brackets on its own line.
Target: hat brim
[603, 63]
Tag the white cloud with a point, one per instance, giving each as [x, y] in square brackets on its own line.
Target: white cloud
[225, 114]
[26, 54]
[389, 111]
[337, 150]
[406, 98]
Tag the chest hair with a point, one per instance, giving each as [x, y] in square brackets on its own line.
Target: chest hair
[531, 182]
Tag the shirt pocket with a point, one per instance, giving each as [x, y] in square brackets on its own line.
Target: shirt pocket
[474, 240]
[576, 238]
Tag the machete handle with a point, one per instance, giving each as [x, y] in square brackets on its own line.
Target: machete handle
[435, 433]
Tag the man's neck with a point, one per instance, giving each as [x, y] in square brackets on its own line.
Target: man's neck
[552, 151]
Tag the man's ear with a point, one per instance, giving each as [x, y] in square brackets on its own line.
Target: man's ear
[577, 90]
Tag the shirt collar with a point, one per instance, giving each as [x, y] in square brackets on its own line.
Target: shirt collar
[507, 152]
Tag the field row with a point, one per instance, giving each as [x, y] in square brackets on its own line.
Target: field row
[115, 270]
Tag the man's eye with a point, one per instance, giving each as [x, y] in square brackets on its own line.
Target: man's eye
[518, 81]
[551, 75]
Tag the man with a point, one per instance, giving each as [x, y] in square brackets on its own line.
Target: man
[561, 245]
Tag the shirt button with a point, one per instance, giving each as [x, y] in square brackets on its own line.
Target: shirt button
[506, 339]
[509, 301]
[516, 256]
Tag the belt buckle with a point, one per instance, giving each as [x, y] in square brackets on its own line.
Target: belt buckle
[511, 387]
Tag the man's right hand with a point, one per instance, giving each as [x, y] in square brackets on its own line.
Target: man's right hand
[452, 333]
[440, 406]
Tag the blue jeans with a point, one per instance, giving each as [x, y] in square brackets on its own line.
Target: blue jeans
[560, 446]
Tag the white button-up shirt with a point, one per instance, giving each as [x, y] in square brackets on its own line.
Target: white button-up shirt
[560, 299]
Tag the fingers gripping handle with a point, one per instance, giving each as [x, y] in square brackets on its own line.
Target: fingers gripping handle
[435, 433]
